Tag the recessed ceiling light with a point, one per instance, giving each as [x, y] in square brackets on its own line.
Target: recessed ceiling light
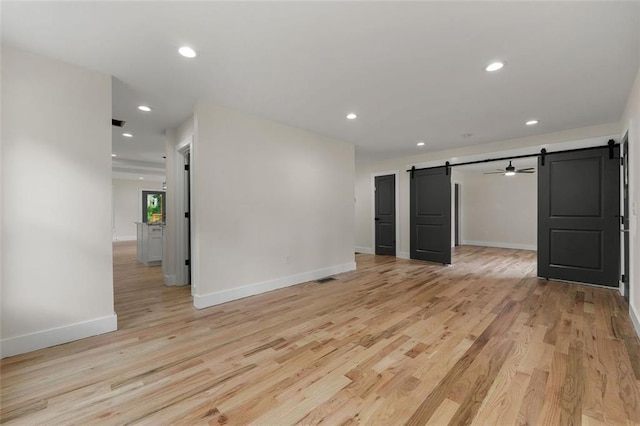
[351, 116]
[531, 122]
[140, 177]
[127, 135]
[145, 108]
[420, 143]
[187, 52]
[113, 155]
[494, 66]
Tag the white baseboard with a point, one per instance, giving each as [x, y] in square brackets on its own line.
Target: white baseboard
[635, 319]
[499, 245]
[125, 238]
[365, 250]
[218, 297]
[404, 255]
[56, 336]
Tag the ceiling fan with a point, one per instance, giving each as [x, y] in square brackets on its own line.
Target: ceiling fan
[510, 171]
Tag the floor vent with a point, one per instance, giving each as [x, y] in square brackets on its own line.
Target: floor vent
[325, 280]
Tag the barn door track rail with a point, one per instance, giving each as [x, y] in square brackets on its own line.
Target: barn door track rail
[611, 144]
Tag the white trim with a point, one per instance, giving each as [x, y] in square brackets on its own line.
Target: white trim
[223, 296]
[404, 255]
[181, 149]
[635, 319]
[56, 336]
[396, 173]
[499, 245]
[169, 279]
[626, 166]
[126, 238]
[365, 250]
[185, 145]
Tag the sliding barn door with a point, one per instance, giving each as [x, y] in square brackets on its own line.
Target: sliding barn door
[430, 221]
[578, 222]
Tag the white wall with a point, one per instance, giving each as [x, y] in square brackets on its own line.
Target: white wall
[127, 206]
[272, 205]
[588, 136]
[57, 279]
[499, 211]
[631, 123]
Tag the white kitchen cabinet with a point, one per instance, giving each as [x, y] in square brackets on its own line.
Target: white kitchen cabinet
[150, 236]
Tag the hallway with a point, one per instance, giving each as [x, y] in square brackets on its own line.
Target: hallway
[140, 297]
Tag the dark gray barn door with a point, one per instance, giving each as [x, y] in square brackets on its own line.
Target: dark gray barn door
[385, 214]
[430, 218]
[578, 222]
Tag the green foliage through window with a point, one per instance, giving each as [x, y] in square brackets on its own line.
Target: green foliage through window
[154, 207]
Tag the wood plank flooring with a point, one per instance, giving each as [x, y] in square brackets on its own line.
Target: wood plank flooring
[396, 342]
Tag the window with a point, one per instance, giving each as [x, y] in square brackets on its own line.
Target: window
[153, 206]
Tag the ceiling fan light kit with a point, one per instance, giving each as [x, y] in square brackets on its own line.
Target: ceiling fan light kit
[511, 171]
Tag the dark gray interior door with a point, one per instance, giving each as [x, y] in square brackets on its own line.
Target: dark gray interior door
[385, 214]
[625, 219]
[578, 216]
[430, 218]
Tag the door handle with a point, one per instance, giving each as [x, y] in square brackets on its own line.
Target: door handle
[376, 219]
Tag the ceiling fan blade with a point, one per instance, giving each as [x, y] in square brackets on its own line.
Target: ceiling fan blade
[526, 169]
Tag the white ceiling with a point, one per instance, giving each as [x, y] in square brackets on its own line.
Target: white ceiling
[410, 70]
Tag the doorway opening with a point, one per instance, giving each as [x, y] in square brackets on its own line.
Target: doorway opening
[577, 236]
[626, 273]
[495, 209]
[183, 210]
[456, 214]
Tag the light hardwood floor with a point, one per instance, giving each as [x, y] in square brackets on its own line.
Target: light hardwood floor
[396, 342]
